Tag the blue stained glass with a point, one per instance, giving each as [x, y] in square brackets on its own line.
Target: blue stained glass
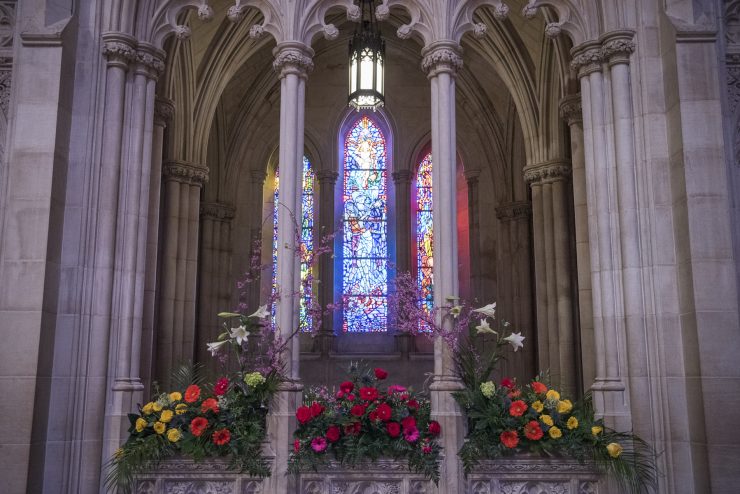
[307, 217]
[365, 222]
[424, 233]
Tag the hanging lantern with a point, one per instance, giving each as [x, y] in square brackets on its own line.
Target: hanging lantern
[366, 57]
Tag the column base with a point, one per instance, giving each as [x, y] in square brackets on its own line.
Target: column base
[447, 412]
[281, 423]
[611, 403]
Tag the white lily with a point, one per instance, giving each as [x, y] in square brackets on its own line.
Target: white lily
[515, 340]
[261, 313]
[215, 347]
[455, 311]
[488, 310]
[484, 327]
[239, 334]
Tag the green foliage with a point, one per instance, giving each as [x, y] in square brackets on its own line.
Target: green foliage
[362, 425]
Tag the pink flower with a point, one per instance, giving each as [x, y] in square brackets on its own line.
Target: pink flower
[426, 449]
[221, 386]
[411, 434]
[318, 444]
[395, 388]
[507, 383]
[380, 373]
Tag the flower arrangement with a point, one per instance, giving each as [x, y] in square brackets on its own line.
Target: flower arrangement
[201, 420]
[360, 422]
[506, 418]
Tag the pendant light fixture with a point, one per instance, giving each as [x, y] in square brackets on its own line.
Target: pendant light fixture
[366, 59]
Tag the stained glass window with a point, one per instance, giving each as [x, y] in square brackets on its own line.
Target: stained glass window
[365, 226]
[306, 243]
[424, 232]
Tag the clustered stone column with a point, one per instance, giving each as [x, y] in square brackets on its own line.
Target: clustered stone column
[603, 70]
[572, 113]
[514, 272]
[293, 62]
[176, 330]
[556, 336]
[257, 246]
[327, 180]
[214, 268]
[402, 188]
[471, 177]
[441, 61]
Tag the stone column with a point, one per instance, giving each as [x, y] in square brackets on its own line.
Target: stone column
[441, 61]
[514, 273]
[176, 331]
[293, 62]
[572, 113]
[131, 244]
[327, 180]
[214, 294]
[471, 176]
[257, 246]
[163, 112]
[609, 390]
[555, 334]
[405, 239]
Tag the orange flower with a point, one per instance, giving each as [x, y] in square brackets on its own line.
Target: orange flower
[209, 404]
[533, 431]
[509, 439]
[538, 387]
[517, 408]
[192, 393]
[198, 425]
[221, 437]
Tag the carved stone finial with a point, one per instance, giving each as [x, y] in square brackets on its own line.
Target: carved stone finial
[441, 57]
[382, 12]
[405, 31]
[479, 30]
[293, 57]
[331, 32]
[164, 111]
[205, 12]
[571, 110]
[235, 13]
[530, 11]
[501, 12]
[182, 32]
[256, 31]
[354, 14]
[553, 30]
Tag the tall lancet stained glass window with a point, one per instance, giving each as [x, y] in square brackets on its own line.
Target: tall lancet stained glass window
[306, 226]
[424, 232]
[365, 229]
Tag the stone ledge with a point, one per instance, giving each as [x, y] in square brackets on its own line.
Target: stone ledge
[183, 476]
[384, 476]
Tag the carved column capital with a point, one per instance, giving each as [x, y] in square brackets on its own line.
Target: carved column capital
[402, 176]
[149, 60]
[257, 177]
[328, 177]
[514, 211]
[440, 57]
[471, 176]
[119, 49]
[217, 211]
[550, 171]
[617, 46]
[184, 172]
[164, 111]
[571, 110]
[293, 58]
[587, 58]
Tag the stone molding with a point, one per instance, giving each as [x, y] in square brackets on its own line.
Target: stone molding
[218, 211]
[440, 57]
[587, 58]
[119, 49]
[571, 109]
[547, 172]
[164, 111]
[472, 176]
[187, 173]
[328, 177]
[613, 48]
[150, 61]
[534, 475]
[178, 476]
[514, 211]
[385, 476]
[295, 58]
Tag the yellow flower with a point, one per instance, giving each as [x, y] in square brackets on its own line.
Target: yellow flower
[148, 408]
[614, 449]
[157, 406]
[181, 408]
[254, 379]
[565, 406]
[596, 430]
[552, 395]
[166, 416]
[118, 454]
[572, 423]
[488, 389]
[140, 424]
[546, 419]
[159, 427]
[174, 435]
[175, 396]
[555, 433]
[538, 406]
